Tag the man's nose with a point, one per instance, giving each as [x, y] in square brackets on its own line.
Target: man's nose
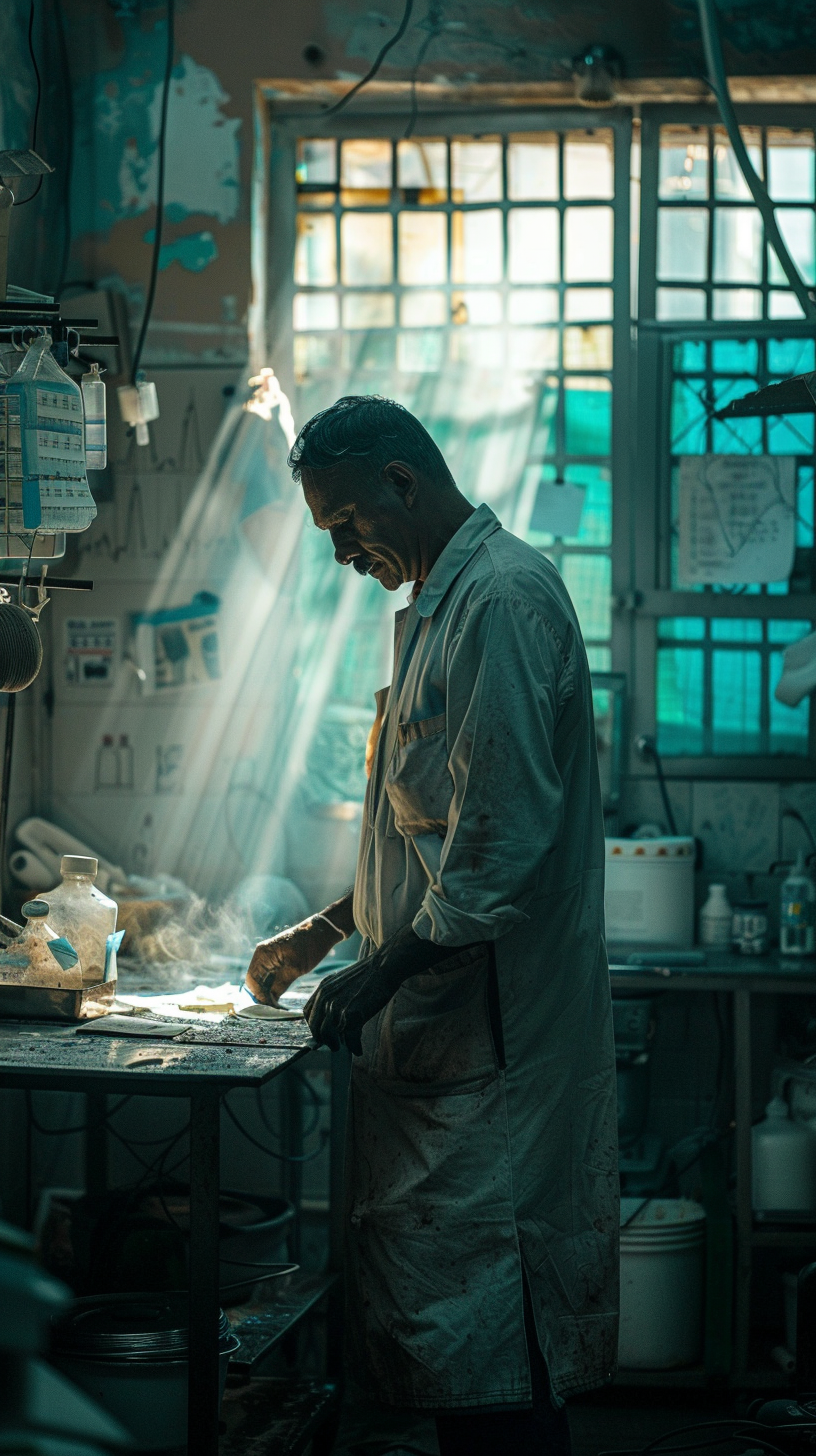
[345, 548]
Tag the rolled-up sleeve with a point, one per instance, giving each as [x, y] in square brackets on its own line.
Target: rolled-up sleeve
[507, 676]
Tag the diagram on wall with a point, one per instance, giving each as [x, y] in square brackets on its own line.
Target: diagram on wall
[91, 648]
[736, 519]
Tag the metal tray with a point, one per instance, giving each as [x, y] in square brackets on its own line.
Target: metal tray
[48, 1003]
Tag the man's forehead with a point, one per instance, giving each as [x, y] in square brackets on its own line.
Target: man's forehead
[332, 490]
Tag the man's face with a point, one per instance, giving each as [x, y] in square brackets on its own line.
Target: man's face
[370, 521]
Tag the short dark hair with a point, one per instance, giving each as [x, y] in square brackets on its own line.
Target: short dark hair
[369, 428]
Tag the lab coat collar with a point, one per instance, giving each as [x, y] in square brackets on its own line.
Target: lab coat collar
[455, 557]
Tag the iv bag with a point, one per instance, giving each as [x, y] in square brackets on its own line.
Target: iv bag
[45, 486]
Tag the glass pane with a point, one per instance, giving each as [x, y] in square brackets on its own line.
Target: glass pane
[587, 416]
[589, 348]
[316, 162]
[422, 238]
[596, 517]
[533, 245]
[366, 247]
[532, 166]
[736, 303]
[732, 356]
[737, 245]
[689, 357]
[368, 311]
[420, 353]
[791, 356]
[543, 441]
[734, 437]
[476, 306]
[423, 310]
[422, 169]
[533, 306]
[680, 700]
[480, 348]
[316, 199]
[315, 311]
[798, 228]
[736, 629]
[682, 244]
[315, 354]
[784, 305]
[804, 505]
[728, 179]
[788, 631]
[790, 435]
[683, 629]
[681, 303]
[789, 726]
[736, 691]
[589, 164]
[476, 247]
[316, 249]
[587, 303]
[533, 348]
[476, 168]
[588, 244]
[599, 659]
[368, 352]
[588, 580]
[689, 417]
[365, 171]
[790, 165]
[683, 163]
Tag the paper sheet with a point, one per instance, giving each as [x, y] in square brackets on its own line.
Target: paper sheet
[736, 519]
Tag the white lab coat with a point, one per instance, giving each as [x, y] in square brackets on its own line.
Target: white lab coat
[482, 1122]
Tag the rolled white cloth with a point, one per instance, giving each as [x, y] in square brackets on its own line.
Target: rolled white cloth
[31, 872]
[798, 671]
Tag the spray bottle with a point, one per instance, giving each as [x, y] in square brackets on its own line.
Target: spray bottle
[797, 912]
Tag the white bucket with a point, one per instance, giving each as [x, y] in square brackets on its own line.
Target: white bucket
[661, 1298]
[649, 894]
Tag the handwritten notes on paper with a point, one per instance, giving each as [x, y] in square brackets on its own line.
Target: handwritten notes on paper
[736, 519]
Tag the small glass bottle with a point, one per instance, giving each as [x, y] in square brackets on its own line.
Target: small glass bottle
[96, 429]
[715, 918]
[80, 912]
[797, 912]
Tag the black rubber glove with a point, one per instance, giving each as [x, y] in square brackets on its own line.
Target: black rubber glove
[345, 1001]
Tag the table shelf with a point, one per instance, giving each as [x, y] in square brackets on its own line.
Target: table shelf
[271, 1416]
[261, 1327]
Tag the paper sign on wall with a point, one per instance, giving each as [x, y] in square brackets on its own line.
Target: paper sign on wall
[736, 519]
[90, 649]
[178, 646]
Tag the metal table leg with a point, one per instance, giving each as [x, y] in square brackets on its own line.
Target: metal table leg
[745, 1221]
[96, 1143]
[202, 1392]
[340, 1076]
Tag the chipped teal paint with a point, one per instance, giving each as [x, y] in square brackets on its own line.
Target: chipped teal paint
[117, 114]
[194, 251]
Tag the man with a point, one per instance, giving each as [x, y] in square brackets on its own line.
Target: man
[482, 1219]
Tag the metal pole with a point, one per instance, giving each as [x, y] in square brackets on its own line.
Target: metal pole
[96, 1143]
[745, 1223]
[202, 1386]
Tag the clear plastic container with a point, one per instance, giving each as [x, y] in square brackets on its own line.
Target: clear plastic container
[96, 428]
[80, 912]
[797, 912]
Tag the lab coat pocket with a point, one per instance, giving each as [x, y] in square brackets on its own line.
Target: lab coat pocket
[418, 781]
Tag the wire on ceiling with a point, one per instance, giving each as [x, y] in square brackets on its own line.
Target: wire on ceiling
[718, 81]
[159, 224]
[369, 76]
[36, 70]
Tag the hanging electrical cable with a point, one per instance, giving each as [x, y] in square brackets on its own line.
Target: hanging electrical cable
[370, 74]
[36, 123]
[718, 81]
[159, 223]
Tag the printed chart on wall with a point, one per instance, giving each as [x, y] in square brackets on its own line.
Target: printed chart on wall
[91, 645]
[736, 519]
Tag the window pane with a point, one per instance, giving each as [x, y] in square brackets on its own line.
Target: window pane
[476, 247]
[798, 228]
[533, 348]
[681, 303]
[804, 506]
[683, 163]
[533, 306]
[587, 303]
[596, 517]
[791, 356]
[315, 354]
[422, 238]
[543, 440]
[476, 306]
[422, 168]
[532, 166]
[366, 247]
[365, 168]
[790, 165]
[682, 244]
[689, 417]
[476, 171]
[729, 182]
[736, 629]
[423, 310]
[533, 245]
[734, 437]
[587, 416]
[589, 348]
[789, 726]
[790, 435]
[368, 310]
[737, 245]
[480, 348]
[788, 631]
[588, 244]
[588, 580]
[316, 249]
[420, 353]
[736, 303]
[680, 700]
[736, 690]
[732, 356]
[315, 311]
[369, 352]
[690, 357]
[589, 164]
[682, 629]
[316, 162]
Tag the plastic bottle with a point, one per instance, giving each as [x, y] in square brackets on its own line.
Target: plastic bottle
[55, 491]
[96, 429]
[107, 764]
[125, 763]
[39, 956]
[797, 912]
[783, 1162]
[83, 914]
[716, 917]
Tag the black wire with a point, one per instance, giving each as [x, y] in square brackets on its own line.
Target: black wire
[272, 1152]
[159, 224]
[738, 1430]
[36, 68]
[435, 30]
[66, 1131]
[369, 76]
[67, 89]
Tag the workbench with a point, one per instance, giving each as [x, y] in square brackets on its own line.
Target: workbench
[202, 1063]
[741, 978]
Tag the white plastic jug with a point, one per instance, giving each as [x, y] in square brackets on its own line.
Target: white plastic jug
[783, 1162]
[83, 914]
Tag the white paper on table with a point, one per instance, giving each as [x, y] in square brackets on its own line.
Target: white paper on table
[736, 519]
[557, 507]
[798, 671]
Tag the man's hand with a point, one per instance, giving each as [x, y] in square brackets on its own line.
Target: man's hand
[277, 962]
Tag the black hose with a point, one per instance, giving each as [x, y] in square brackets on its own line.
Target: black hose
[648, 748]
